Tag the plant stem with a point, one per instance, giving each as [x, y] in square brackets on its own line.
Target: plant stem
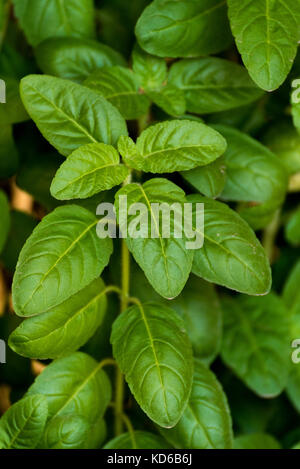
[270, 234]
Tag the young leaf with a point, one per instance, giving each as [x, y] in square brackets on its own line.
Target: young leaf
[170, 99]
[66, 432]
[256, 441]
[209, 179]
[153, 351]
[137, 440]
[120, 87]
[231, 255]
[292, 229]
[164, 259]
[62, 256]
[22, 424]
[213, 85]
[88, 170]
[75, 384]
[70, 115]
[206, 421]
[5, 219]
[43, 19]
[175, 145]
[256, 342]
[266, 35]
[74, 58]
[151, 71]
[184, 29]
[65, 328]
[254, 173]
[200, 309]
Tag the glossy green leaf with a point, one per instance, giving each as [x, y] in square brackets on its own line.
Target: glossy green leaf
[213, 85]
[231, 255]
[5, 219]
[165, 260]
[150, 70]
[74, 58]
[75, 384]
[70, 115]
[206, 421]
[254, 173]
[266, 34]
[209, 179]
[292, 229]
[256, 342]
[256, 441]
[120, 87]
[137, 440]
[199, 307]
[153, 351]
[185, 29]
[169, 98]
[66, 432]
[43, 19]
[22, 424]
[88, 170]
[62, 256]
[175, 145]
[65, 328]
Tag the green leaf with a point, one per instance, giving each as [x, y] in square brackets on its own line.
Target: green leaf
[62, 256]
[153, 351]
[12, 111]
[66, 432]
[175, 145]
[254, 173]
[291, 297]
[256, 441]
[8, 166]
[22, 424]
[213, 85]
[137, 440]
[70, 115]
[199, 307]
[5, 219]
[184, 29]
[231, 255]
[75, 384]
[151, 71]
[292, 229]
[256, 342]
[164, 259]
[88, 170]
[65, 328]
[170, 99]
[266, 34]
[206, 421]
[284, 140]
[120, 87]
[41, 20]
[209, 179]
[74, 58]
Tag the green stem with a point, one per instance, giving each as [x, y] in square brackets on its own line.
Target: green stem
[270, 234]
[130, 429]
